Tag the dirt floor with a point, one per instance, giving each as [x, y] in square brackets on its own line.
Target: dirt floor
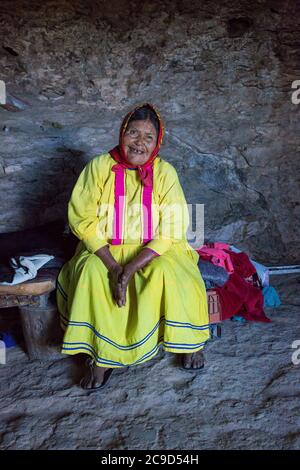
[247, 397]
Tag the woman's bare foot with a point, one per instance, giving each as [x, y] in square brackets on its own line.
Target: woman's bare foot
[94, 376]
[193, 360]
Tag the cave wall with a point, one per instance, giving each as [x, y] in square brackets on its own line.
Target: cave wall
[220, 73]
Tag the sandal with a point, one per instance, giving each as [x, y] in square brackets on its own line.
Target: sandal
[190, 369]
[91, 364]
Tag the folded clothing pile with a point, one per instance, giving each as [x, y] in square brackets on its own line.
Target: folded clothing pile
[212, 275]
[241, 293]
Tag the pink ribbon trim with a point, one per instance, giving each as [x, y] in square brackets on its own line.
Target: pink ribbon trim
[118, 204]
[147, 208]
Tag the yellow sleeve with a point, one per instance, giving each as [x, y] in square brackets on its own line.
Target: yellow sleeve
[83, 207]
[173, 214]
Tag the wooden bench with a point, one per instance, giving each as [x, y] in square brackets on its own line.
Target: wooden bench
[36, 302]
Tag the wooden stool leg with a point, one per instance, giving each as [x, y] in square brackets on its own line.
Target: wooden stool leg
[41, 329]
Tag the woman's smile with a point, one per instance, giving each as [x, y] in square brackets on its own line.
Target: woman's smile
[136, 151]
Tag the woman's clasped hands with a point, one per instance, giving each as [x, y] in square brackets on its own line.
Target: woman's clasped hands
[120, 277]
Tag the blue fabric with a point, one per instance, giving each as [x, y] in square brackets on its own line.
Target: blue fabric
[8, 339]
[238, 318]
[209, 284]
[271, 298]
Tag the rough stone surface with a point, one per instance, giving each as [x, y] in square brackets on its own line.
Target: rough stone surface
[247, 397]
[220, 73]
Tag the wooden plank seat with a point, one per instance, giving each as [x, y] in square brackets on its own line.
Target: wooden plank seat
[43, 283]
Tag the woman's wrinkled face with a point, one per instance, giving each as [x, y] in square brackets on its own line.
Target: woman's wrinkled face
[139, 141]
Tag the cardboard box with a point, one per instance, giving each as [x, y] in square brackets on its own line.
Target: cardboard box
[214, 306]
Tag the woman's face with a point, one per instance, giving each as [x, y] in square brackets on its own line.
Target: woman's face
[139, 141]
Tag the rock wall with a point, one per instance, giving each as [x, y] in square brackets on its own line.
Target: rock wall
[219, 71]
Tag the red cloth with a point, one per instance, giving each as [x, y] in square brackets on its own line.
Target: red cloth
[237, 296]
[241, 263]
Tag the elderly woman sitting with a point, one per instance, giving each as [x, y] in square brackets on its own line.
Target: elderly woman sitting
[133, 283]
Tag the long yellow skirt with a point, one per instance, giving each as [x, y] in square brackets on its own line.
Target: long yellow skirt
[166, 305]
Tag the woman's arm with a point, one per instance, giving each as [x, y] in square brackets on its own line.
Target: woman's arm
[84, 222]
[83, 206]
[114, 272]
[107, 258]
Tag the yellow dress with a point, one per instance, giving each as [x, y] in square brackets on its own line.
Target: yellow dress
[166, 300]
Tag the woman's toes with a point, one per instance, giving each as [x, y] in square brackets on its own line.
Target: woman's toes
[193, 360]
[98, 376]
[94, 383]
[198, 360]
[85, 383]
[187, 361]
